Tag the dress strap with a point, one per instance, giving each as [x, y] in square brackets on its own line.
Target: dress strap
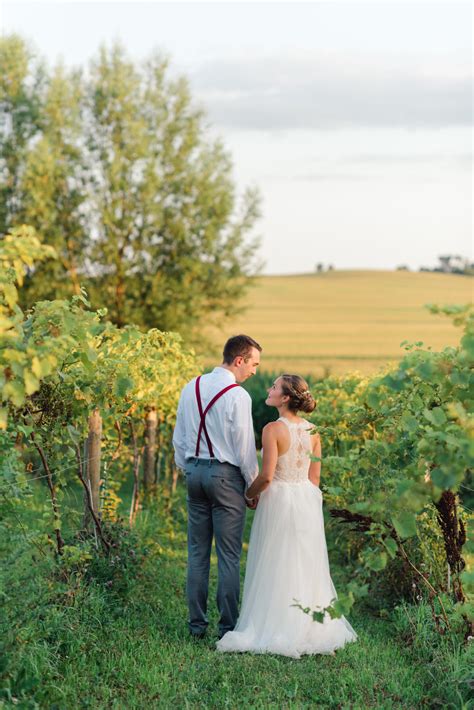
[290, 424]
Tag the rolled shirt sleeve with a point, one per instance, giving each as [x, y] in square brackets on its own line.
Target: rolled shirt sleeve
[179, 435]
[243, 437]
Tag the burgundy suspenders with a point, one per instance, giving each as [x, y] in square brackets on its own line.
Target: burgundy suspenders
[202, 414]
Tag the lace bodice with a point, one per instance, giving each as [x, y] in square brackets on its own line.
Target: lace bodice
[294, 464]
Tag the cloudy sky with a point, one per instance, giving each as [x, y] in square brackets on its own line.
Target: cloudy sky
[354, 119]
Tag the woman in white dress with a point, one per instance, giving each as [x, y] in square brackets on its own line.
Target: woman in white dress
[287, 560]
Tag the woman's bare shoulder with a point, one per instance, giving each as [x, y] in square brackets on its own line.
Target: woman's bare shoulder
[274, 427]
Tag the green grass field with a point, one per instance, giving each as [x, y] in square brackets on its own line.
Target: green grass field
[342, 321]
[67, 645]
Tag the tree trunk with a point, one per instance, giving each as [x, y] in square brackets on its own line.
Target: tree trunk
[159, 457]
[93, 466]
[151, 421]
[135, 504]
[454, 537]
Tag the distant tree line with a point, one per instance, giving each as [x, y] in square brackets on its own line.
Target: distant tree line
[114, 167]
[448, 264]
[321, 268]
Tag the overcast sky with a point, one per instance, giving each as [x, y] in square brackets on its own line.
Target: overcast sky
[354, 119]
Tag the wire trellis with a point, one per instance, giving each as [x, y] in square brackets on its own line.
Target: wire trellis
[63, 468]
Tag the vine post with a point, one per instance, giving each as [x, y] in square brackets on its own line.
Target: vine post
[151, 422]
[94, 441]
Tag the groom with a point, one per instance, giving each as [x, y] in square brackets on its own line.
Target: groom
[215, 446]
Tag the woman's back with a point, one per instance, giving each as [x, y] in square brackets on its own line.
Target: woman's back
[293, 465]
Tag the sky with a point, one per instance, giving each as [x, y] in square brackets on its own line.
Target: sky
[353, 119]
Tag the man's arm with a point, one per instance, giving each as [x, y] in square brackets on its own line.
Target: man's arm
[243, 438]
[270, 458]
[179, 435]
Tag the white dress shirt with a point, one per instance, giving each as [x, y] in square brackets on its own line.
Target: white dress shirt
[228, 422]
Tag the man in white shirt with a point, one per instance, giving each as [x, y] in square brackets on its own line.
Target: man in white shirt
[215, 446]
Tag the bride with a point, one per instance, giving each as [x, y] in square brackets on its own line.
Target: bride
[287, 560]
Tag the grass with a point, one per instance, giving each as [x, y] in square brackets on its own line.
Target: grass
[341, 321]
[78, 646]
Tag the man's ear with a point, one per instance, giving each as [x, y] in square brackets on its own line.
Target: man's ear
[238, 361]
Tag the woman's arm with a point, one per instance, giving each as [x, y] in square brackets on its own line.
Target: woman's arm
[270, 456]
[314, 473]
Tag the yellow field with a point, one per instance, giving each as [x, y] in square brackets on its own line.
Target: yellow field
[342, 321]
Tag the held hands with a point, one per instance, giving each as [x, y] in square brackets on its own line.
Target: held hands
[251, 503]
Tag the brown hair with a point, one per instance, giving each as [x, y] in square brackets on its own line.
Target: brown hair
[239, 346]
[297, 390]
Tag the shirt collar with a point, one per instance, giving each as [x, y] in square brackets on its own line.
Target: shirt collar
[223, 372]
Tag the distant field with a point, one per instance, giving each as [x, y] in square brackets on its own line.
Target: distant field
[345, 320]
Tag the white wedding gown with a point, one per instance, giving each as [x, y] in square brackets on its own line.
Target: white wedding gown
[287, 563]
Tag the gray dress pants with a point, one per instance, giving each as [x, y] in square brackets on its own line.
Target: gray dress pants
[216, 507]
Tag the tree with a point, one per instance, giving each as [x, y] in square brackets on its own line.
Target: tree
[167, 231]
[54, 188]
[120, 175]
[21, 79]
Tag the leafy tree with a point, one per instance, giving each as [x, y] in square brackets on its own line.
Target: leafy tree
[54, 188]
[21, 79]
[119, 174]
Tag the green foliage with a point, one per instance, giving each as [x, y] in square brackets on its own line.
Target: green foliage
[114, 167]
[20, 365]
[115, 572]
[393, 443]
[257, 386]
[71, 351]
[59, 363]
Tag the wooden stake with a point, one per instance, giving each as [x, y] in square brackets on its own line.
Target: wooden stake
[151, 421]
[94, 441]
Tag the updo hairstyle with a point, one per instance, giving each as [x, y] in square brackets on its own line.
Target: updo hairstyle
[301, 399]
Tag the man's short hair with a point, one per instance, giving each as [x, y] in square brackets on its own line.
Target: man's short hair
[239, 346]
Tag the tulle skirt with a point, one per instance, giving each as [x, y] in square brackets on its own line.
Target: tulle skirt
[287, 563]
